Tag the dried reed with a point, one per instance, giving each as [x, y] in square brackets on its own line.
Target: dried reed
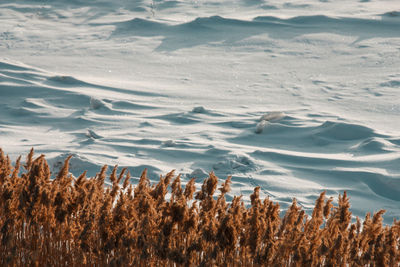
[78, 221]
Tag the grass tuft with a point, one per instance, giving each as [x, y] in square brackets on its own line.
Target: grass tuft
[70, 222]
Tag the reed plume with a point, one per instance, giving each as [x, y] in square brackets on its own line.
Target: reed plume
[80, 221]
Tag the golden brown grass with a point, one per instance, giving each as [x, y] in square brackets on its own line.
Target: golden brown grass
[73, 222]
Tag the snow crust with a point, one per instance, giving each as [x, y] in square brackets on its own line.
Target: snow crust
[293, 96]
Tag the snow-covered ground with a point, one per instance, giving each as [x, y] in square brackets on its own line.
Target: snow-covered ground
[296, 97]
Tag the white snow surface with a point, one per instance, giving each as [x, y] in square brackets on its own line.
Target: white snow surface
[296, 97]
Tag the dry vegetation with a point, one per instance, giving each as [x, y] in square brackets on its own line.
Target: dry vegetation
[68, 221]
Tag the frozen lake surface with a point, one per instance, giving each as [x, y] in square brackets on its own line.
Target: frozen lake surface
[296, 97]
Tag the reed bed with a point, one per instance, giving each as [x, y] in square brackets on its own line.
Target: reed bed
[69, 221]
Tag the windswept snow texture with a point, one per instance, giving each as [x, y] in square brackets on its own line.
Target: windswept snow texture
[296, 97]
